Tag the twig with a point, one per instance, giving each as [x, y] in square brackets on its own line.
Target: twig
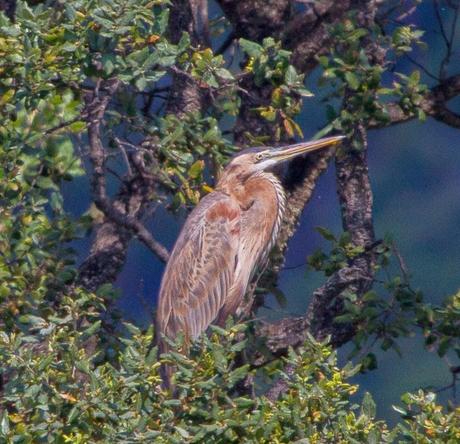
[407, 13]
[96, 107]
[423, 68]
[448, 40]
[181, 72]
[125, 156]
[64, 124]
[401, 262]
[441, 23]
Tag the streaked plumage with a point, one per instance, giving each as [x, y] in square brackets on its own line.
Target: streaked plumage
[225, 238]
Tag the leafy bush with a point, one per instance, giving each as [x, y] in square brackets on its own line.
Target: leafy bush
[56, 393]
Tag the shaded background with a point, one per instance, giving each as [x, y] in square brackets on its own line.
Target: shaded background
[415, 174]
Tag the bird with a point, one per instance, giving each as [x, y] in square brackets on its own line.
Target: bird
[223, 241]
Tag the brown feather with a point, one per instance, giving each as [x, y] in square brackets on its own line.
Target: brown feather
[200, 268]
[226, 237]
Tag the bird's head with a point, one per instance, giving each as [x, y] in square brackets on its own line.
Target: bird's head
[252, 160]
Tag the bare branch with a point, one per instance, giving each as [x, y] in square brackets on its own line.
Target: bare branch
[448, 39]
[95, 109]
[136, 226]
[123, 214]
[422, 67]
[120, 146]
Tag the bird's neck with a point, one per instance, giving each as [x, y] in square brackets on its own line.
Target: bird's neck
[261, 186]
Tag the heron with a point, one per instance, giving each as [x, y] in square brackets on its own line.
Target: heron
[223, 241]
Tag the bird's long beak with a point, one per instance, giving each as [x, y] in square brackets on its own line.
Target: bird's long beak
[289, 151]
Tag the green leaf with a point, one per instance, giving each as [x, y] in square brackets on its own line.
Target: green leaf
[224, 74]
[237, 375]
[327, 234]
[73, 414]
[196, 169]
[304, 92]
[444, 345]
[368, 405]
[91, 329]
[182, 432]
[46, 183]
[344, 319]
[252, 49]
[399, 410]
[324, 61]
[31, 319]
[184, 42]
[141, 83]
[244, 403]
[291, 76]
[5, 424]
[279, 296]
[77, 127]
[352, 80]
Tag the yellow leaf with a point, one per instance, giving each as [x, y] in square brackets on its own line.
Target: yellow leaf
[250, 65]
[276, 97]
[288, 127]
[26, 219]
[7, 97]
[195, 198]
[269, 113]
[49, 58]
[14, 417]
[207, 189]
[96, 214]
[196, 169]
[68, 397]
[316, 416]
[297, 128]
[152, 39]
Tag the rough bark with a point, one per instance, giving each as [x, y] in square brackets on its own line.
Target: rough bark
[256, 19]
[187, 16]
[355, 197]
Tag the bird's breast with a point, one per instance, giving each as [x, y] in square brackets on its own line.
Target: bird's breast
[262, 207]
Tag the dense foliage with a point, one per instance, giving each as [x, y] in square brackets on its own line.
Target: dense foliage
[70, 376]
[56, 392]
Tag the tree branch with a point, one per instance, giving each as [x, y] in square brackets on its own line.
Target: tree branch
[96, 108]
[355, 197]
[434, 104]
[108, 252]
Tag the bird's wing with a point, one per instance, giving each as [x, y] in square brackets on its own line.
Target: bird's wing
[259, 228]
[201, 268]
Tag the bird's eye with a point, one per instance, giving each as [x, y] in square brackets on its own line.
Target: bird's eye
[259, 156]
